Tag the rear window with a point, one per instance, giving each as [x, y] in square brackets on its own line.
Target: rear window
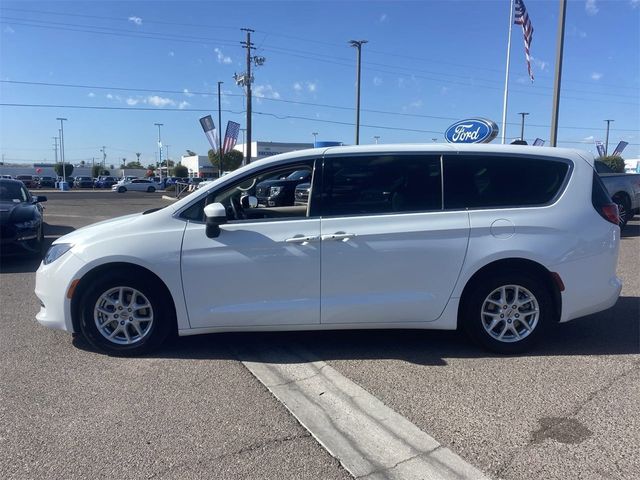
[477, 181]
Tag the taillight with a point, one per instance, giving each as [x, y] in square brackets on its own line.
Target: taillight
[609, 211]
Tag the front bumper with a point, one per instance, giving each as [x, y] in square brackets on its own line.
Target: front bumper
[52, 283]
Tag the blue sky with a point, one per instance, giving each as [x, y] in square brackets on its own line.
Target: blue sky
[426, 64]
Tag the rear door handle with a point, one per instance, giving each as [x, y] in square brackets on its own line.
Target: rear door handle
[338, 236]
[302, 240]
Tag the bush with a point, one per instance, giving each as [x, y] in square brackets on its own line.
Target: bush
[614, 163]
[68, 169]
[97, 171]
[180, 171]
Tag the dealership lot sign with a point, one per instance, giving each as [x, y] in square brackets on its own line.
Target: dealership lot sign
[473, 130]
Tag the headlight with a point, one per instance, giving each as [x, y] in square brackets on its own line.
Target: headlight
[55, 252]
[275, 191]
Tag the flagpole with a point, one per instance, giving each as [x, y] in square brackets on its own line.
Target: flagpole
[506, 77]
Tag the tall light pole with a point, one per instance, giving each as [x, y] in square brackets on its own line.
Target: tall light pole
[243, 141]
[159, 148]
[524, 114]
[376, 138]
[167, 159]
[315, 138]
[357, 44]
[606, 143]
[64, 173]
[219, 133]
[558, 75]
[104, 156]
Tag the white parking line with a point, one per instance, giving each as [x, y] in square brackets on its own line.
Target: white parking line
[368, 438]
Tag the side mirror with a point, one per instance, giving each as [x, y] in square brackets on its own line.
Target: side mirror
[249, 201]
[39, 199]
[215, 215]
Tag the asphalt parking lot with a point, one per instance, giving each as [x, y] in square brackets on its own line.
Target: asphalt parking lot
[570, 409]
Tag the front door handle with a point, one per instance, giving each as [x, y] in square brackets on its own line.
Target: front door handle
[301, 239]
[338, 236]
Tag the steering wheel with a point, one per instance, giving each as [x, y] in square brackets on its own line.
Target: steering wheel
[236, 206]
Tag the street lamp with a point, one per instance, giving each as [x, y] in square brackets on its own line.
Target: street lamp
[376, 138]
[159, 147]
[219, 133]
[315, 138]
[64, 173]
[358, 45]
[606, 148]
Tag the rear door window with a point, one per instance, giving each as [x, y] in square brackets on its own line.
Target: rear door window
[478, 181]
[380, 184]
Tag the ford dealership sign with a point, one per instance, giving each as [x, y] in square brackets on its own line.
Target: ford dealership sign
[474, 130]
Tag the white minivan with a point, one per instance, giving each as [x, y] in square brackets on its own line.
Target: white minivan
[501, 241]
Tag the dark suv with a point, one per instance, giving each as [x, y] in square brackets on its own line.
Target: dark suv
[47, 182]
[280, 192]
[301, 196]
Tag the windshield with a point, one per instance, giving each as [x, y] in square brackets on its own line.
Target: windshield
[12, 192]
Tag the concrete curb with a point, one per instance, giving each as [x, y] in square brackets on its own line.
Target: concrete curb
[368, 438]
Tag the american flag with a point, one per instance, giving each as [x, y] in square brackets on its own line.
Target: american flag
[522, 18]
[230, 136]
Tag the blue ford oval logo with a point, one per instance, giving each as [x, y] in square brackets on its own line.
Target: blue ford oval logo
[473, 130]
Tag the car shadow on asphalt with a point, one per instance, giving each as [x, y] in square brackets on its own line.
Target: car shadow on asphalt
[612, 332]
[631, 230]
[29, 263]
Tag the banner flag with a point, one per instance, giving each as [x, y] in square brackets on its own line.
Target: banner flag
[230, 137]
[522, 18]
[538, 142]
[600, 147]
[210, 131]
[619, 149]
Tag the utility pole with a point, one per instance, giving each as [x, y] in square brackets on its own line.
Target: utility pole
[558, 75]
[606, 143]
[315, 138]
[159, 148]
[64, 172]
[243, 130]
[245, 80]
[358, 45]
[55, 147]
[104, 156]
[376, 138]
[219, 133]
[167, 159]
[524, 114]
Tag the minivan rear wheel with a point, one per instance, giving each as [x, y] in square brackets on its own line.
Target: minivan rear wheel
[507, 312]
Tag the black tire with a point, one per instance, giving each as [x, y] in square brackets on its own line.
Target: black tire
[121, 189]
[155, 332]
[624, 208]
[151, 189]
[474, 319]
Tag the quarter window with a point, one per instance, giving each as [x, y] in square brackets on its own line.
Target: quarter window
[476, 181]
[384, 184]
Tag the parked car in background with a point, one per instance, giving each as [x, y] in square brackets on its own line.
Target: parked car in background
[136, 185]
[21, 225]
[83, 182]
[47, 182]
[402, 236]
[105, 181]
[301, 195]
[280, 192]
[7, 177]
[624, 189]
[28, 180]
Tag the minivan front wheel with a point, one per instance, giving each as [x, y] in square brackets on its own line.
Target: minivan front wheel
[124, 316]
[507, 313]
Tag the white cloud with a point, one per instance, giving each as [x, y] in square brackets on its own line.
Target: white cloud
[187, 93]
[312, 86]
[172, 54]
[541, 64]
[401, 82]
[591, 7]
[109, 96]
[596, 76]
[383, 18]
[91, 94]
[265, 91]
[8, 29]
[634, 3]
[297, 86]
[588, 139]
[377, 81]
[222, 58]
[416, 104]
[158, 101]
[444, 90]
[183, 104]
[136, 20]
[132, 101]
